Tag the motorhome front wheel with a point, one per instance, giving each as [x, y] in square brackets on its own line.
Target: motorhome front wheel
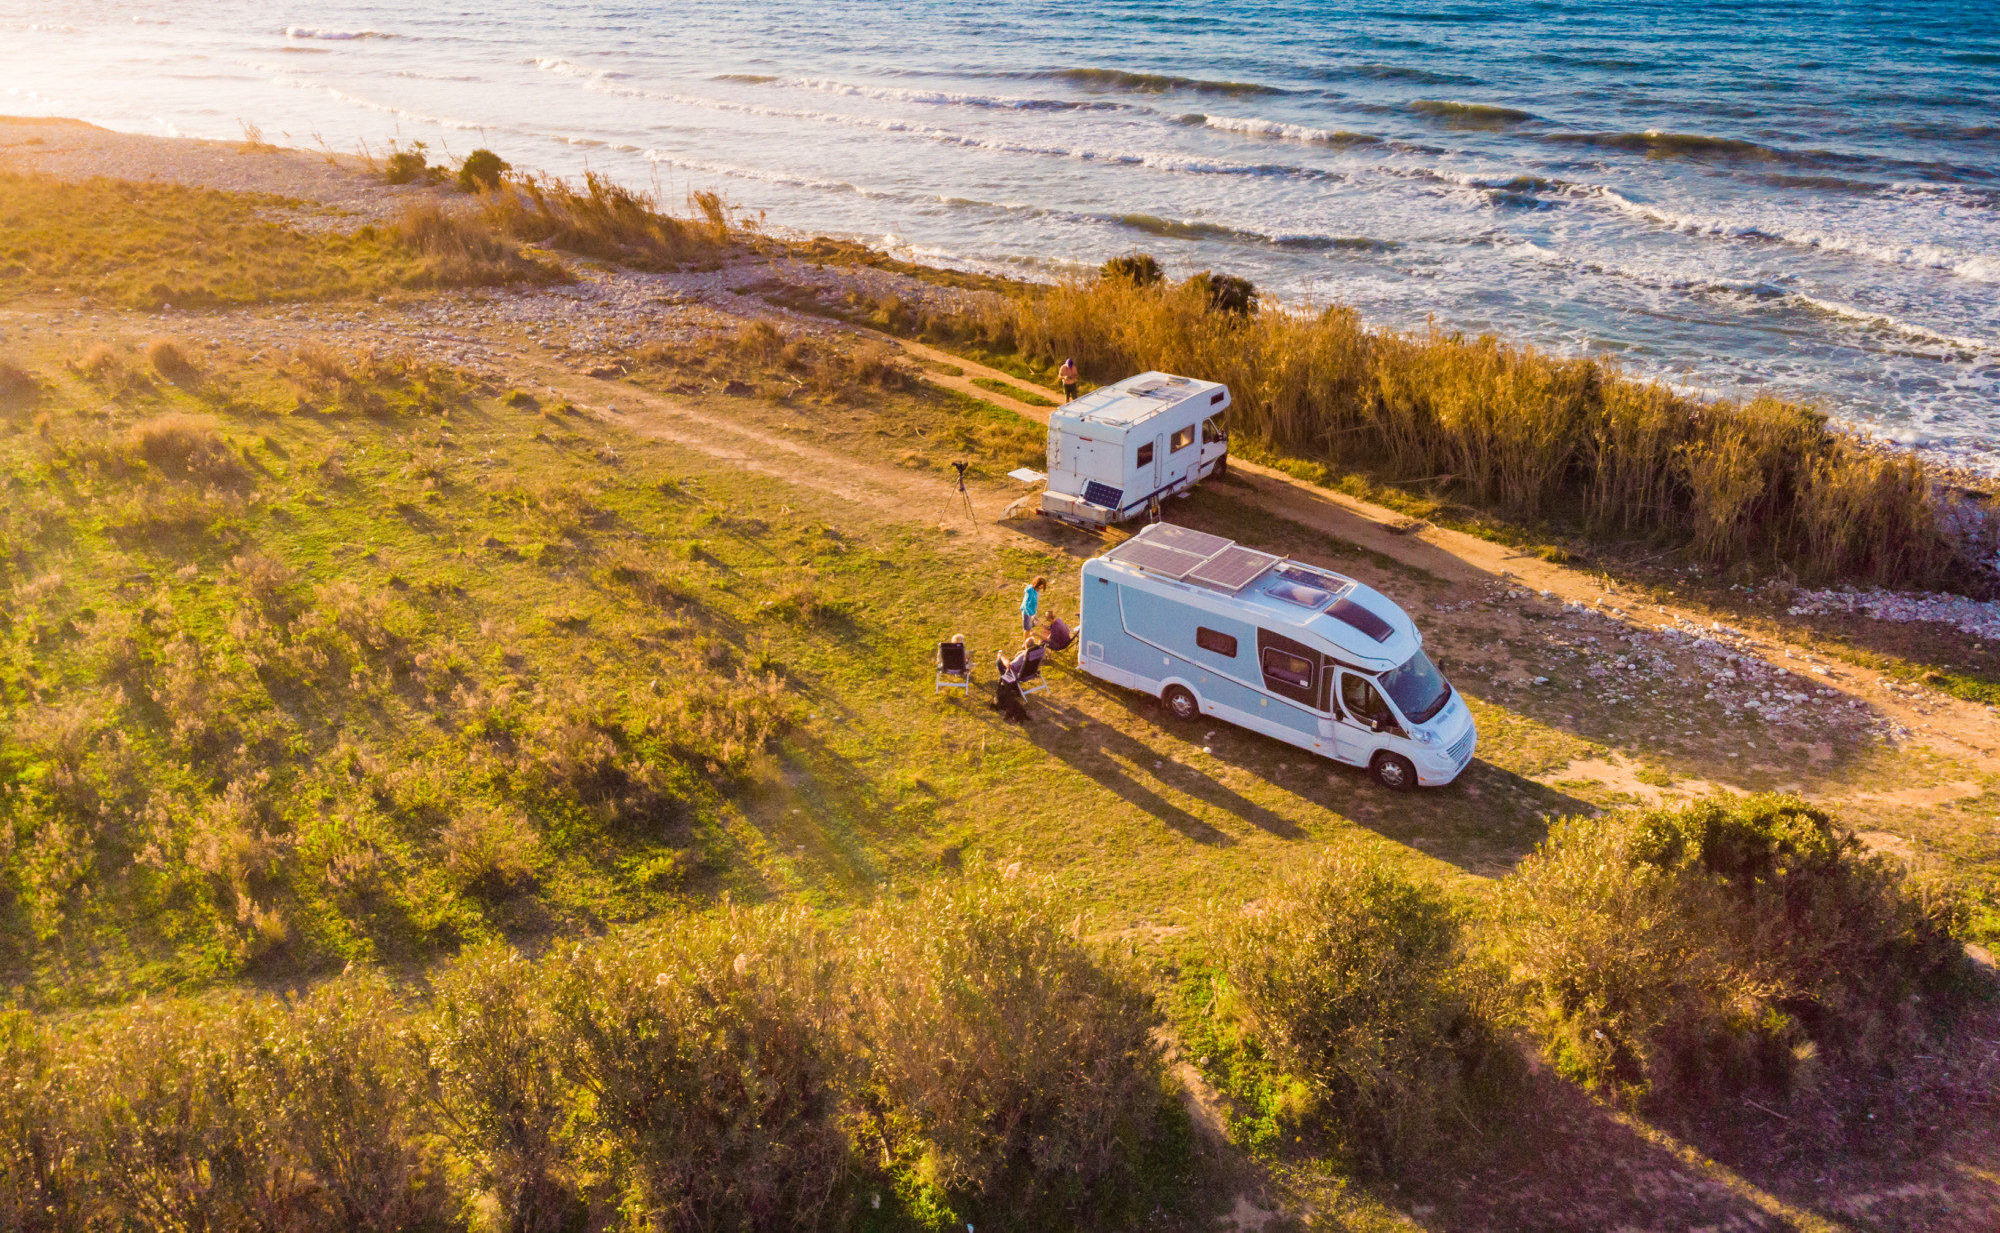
[1180, 703]
[1394, 772]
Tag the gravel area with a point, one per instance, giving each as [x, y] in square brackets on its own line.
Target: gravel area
[1980, 618]
[335, 191]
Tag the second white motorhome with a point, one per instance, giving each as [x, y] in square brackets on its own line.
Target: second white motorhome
[1117, 451]
[1298, 653]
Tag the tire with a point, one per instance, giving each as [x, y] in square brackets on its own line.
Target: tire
[1393, 771]
[1180, 703]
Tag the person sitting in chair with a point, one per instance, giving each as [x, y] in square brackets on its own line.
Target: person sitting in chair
[1016, 668]
[1057, 636]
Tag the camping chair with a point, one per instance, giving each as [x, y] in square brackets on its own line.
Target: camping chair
[1030, 680]
[953, 670]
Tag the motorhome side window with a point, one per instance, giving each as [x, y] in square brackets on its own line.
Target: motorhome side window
[1212, 430]
[1146, 455]
[1360, 698]
[1287, 668]
[1216, 641]
[1182, 439]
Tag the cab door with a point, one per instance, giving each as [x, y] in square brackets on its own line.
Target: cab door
[1356, 702]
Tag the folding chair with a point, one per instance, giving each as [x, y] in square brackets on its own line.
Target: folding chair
[1030, 680]
[953, 671]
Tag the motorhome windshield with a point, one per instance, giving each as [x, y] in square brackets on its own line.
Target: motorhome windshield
[1417, 689]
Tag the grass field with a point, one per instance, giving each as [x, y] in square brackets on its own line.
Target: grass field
[318, 659]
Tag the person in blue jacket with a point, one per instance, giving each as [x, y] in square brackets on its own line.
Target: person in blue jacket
[1031, 600]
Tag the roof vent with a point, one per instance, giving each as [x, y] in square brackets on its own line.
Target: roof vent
[1361, 618]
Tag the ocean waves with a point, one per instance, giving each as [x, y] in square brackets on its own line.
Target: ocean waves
[1250, 126]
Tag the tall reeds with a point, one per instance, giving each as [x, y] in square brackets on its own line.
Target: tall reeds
[1572, 443]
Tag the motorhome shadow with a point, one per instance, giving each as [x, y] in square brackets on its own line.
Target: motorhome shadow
[1269, 644]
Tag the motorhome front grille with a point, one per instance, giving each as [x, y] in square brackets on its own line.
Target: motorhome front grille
[1233, 568]
[1103, 494]
[1460, 749]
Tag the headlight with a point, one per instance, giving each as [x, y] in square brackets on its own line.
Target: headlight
[1423, 736]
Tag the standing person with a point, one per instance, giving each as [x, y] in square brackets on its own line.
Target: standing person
[1031, 602]
[1068, 378]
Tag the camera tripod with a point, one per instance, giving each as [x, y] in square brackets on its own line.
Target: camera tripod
[964, 497]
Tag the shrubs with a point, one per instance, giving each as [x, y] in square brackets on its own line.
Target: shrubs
[1729, 944]
[460, 248]
[1353, 983]
[18, 387]
[481, 171]
[706, 1055]
[601, 219]
[1001, 1062]
[257, 1114]
[739, 1069]
[171, 362]
[1139, 269]
[189, 447]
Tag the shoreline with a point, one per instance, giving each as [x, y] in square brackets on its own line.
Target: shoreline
[344, 187]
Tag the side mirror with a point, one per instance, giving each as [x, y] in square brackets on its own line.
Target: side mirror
[1376, 725]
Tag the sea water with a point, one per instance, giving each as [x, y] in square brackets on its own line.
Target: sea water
[1796, 199]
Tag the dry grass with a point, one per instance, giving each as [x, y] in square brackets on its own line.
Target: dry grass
[18, 386]
[1513, 430]
[463, 248]
[598, 218]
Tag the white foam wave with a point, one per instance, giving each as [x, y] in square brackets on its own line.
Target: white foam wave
[1894, 325]
[570, 68]
[1251, 126]
[309, 32]
[936, 98]
[1980, 267]
[1157, 160]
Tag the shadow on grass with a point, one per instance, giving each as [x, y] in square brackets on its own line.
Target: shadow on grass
[1483, 822]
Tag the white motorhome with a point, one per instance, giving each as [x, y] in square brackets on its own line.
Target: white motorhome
[1116, 451]
[1310, 657]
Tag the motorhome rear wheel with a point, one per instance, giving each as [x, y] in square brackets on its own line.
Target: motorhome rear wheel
[1180, 703]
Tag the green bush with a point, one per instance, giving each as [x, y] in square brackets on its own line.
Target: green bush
[481, 171]
[1226, 293]
[1730, 944]
[42, 1135]
[708, 1061]
[1139, 269]
[252, 1113]
[411, 166]
[496, 1086]
[1005, 1067]
[1354, 983]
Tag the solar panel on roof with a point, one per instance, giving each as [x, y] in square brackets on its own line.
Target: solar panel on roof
[1201, 543]
[1233, 568]
[1158, 558]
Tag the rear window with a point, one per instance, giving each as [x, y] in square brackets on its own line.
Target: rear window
[1216, 641]
[1146, 454]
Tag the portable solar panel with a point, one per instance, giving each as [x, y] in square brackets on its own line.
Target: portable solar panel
[1103, 494]
[1233, 568]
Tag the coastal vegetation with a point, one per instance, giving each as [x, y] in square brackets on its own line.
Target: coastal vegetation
[1571, 445]
[433, 800]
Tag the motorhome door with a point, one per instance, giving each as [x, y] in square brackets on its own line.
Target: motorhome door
[1359, 703]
